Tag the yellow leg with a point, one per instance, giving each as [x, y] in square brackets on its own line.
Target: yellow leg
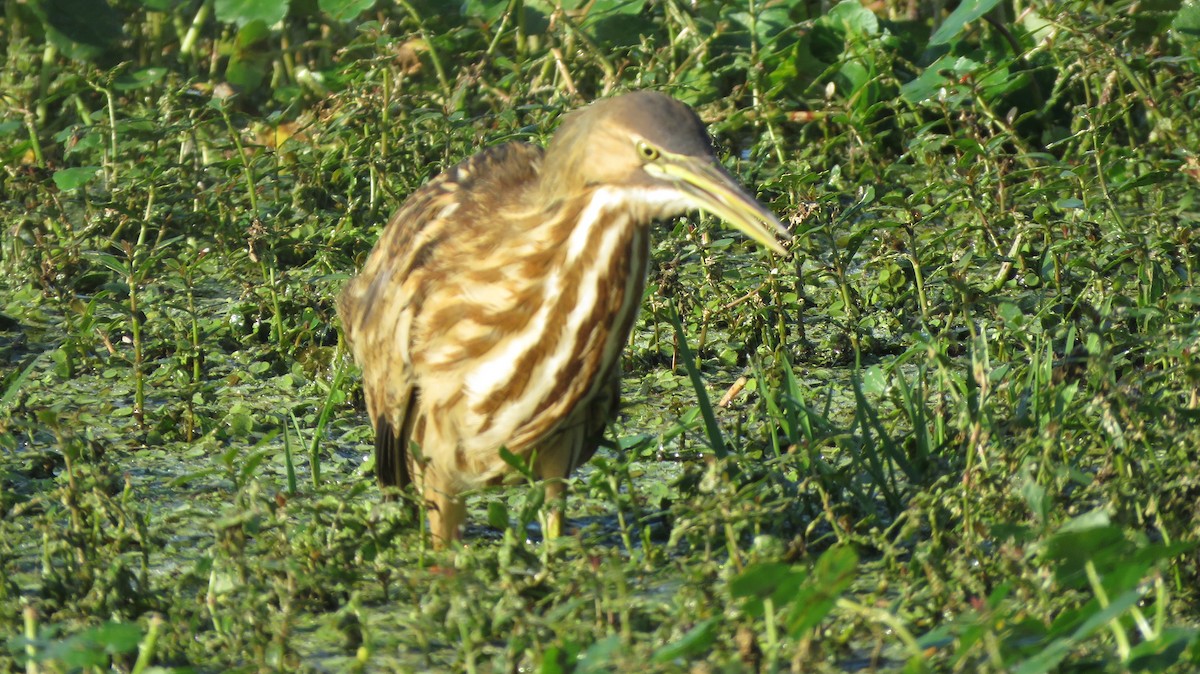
[446, 515]
[554, 464]
[445, 507]
[556, 500]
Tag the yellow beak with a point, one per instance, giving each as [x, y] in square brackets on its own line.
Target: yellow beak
[714, 190]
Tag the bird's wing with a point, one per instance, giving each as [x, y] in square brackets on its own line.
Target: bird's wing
[379, 307]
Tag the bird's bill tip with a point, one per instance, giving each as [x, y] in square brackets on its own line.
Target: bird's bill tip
[717, 192]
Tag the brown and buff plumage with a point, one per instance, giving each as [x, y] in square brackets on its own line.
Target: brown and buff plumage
[493, 309]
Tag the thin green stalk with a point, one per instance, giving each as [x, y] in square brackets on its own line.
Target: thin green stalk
[918, 275]
[314, 454]
[135, 328]
[195, 335]
[731, 542]
[1097, 155]
[433, 52]
[110, 160]
[1114, 626]
[518, 7]
[385, 117]
[468, 650]
[513, 6]
[622, 524]
[34, 143]
[702, 400]
[289, 462]
[49, 56]
[13, 22]
[626, 604]
[111, 164]
[188, 44]
[895, 624]
[1006, 266]
[610, 71]
[276, 308]
[772, 630]
[146, 647]
[31, 662]
[247, 169]
[194, 372]
[289, 60]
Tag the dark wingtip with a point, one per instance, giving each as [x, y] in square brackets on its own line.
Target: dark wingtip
[391, 459]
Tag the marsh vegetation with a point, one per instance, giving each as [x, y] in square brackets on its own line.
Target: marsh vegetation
[956, 432]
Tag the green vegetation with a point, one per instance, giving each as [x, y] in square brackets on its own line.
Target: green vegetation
[967, 438]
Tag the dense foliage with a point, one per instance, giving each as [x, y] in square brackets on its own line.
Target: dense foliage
[959, 428]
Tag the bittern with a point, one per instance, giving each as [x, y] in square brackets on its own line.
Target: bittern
[493, 310]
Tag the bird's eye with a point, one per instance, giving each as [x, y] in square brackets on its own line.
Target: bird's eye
[647, 151]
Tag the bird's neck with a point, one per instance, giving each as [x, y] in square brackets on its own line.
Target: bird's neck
[590, 257]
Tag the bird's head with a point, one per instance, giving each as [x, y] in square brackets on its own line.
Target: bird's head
[656, 153]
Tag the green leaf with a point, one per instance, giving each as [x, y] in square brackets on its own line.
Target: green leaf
[875, 380]
[94, 647]
[1034, 494]
[112, 262]
[246, 74]
[940, 75]
[760, 580]
[767, 22]
[139, 79]
[251, 463]
[488, 11]
[497, 515]
[777, 582]
[1186, 25]
[965, 13]
[1059, 648]
[1092, 519]
[239, 421]
[73, 178]
[535, 498]
[1151, 178]
[851, 19]
[697, 641]
[87, 22]
[1088, 538]
[517, 463]
[1165, 651]
[831, 577]
[251, 34]
[241, 12]
[17, 379]
[599, 656]
[629, 7]
[117, 637]
[344, 10]
[555, 660]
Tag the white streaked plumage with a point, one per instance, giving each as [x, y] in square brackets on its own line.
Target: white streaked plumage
[493, 309]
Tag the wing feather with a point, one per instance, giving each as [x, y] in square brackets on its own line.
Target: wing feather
[379, 307]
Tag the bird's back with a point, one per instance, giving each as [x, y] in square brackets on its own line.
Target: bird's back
[419, 227]
[425, 243]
